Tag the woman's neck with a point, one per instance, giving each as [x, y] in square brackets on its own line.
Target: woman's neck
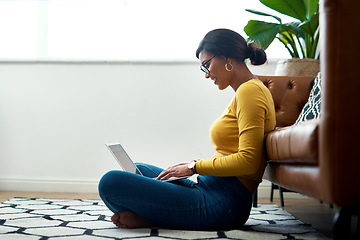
[241, 74]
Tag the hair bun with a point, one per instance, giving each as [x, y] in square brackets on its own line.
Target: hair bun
[257, 55]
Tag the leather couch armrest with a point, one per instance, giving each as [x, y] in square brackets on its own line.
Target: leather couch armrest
[294, 144]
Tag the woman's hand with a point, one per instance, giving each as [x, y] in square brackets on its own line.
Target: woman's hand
[179, 170]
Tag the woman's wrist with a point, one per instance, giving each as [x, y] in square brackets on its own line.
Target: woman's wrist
[192, 166]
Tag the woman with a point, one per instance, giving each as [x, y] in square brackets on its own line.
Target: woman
[222, 196]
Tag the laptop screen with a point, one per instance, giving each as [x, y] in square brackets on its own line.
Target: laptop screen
[121, 156]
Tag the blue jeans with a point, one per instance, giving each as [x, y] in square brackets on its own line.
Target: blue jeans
[213, 203]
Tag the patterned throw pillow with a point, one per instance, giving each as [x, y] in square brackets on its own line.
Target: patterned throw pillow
[311, 109]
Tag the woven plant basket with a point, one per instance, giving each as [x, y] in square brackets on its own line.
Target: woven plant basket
[298, 67]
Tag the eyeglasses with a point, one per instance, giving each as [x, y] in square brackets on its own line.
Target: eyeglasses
[204, 66]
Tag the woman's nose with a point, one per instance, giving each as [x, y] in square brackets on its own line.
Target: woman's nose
[207, 75]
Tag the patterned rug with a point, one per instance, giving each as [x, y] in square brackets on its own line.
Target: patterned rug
[71, 219]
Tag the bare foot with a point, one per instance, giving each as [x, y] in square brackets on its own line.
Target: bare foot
[116, 219]
[129, 219]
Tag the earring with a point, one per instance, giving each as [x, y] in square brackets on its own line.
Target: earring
[227, 67]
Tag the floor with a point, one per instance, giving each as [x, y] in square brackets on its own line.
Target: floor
[308, 210]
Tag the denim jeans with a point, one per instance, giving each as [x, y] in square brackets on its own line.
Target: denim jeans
[213, 203]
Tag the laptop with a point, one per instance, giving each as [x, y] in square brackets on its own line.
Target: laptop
[125, 161]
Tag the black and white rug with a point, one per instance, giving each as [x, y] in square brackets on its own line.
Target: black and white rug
[71, 219]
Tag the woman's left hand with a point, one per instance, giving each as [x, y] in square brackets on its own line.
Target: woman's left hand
[179, 170]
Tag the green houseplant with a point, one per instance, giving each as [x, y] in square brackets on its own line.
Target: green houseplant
[299, 37]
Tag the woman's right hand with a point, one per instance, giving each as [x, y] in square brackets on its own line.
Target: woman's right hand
[179, 170]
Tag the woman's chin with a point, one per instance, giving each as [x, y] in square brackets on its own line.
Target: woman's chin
[222, 87]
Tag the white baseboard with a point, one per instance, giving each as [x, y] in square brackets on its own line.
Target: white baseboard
[46, 185]
[87, 186]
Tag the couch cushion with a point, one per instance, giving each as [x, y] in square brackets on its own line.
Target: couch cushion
[290, 94]
[311, 109]
[294, 144]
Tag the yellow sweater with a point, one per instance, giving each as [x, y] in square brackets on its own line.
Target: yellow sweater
[238, 135]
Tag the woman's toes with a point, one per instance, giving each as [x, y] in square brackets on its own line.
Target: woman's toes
[115, 217]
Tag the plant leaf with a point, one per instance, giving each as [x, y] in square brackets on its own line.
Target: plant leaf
[263, 33]
[294, 28]
[263, 14]
[311, 25]
[298, 37]
[292, 8]
[311, 6]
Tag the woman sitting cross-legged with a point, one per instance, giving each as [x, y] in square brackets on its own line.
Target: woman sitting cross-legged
[222, 196]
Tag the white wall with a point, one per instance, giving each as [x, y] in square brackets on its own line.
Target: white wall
[56, 116]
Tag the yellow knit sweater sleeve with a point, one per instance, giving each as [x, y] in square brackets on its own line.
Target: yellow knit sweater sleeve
[238, 135]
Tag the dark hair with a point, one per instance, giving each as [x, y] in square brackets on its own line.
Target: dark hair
[230, 44]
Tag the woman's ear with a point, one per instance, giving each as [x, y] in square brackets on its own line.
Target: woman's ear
[229, 60]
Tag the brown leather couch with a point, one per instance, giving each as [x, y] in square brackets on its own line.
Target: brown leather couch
[321, 158]
[291, 145]
[292, 149]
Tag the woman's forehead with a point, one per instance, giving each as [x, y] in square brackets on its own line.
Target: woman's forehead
[203, 56]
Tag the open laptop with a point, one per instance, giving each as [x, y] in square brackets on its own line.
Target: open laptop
[125, 161]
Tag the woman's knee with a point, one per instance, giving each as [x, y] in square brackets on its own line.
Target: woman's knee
[108, 181]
